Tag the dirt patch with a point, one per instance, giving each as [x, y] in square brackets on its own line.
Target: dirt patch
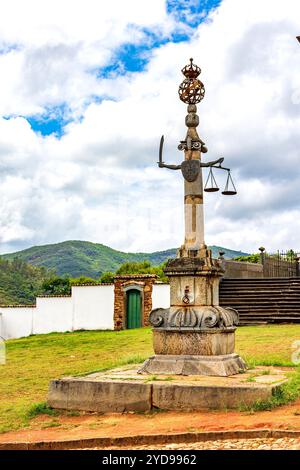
[89, 425]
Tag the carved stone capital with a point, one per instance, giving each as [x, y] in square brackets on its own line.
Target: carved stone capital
[198, 262]
[200, 318]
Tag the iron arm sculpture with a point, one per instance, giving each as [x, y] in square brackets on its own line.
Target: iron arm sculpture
[215, 163]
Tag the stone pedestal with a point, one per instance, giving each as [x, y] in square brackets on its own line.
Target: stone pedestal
[194, 336]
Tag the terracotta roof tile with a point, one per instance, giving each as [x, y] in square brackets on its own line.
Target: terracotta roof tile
[18, 306]
[136, 276]
[94, 284]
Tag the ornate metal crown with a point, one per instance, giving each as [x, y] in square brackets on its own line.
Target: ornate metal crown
[191, 70]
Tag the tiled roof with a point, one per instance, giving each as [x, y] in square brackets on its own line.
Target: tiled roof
[52, 296]
[136, 276]
[18, 306]
[94, 284]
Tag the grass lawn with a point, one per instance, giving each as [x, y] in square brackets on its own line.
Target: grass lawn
[33, 361]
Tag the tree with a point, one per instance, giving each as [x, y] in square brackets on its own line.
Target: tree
[291, 255]
[82, 280]
[142, 267]
[20, 282]
[107, 277]
[56, 285]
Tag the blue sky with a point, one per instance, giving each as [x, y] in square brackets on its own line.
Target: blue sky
[131, 58]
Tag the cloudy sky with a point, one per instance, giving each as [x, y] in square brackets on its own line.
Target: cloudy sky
[87, 88]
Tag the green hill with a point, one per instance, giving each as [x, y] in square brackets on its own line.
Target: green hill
[80, 258]
[19, 282]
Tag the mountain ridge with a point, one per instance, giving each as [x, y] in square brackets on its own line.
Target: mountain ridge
[83, 258]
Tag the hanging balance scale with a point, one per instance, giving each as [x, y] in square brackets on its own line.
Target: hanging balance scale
[211, 184]
[230, 189]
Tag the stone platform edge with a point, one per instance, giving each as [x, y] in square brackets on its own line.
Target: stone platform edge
[119, 396]
[148, 439]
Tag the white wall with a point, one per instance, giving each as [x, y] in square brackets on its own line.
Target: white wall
[161, 296]
[2, 345]
[53, 314]
[89, 308]
[93, 307]
[16, 321]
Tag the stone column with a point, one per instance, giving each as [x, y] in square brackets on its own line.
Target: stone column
[193, 191]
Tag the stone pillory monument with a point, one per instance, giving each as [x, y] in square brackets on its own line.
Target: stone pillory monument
[194, 338]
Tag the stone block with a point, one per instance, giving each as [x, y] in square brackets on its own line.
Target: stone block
[193, 397]
[102, 396]
[220, 366]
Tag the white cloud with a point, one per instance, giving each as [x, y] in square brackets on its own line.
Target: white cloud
[99, 181]
[52, 48]
[34, 22]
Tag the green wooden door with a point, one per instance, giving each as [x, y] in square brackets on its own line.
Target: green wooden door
[134, 309]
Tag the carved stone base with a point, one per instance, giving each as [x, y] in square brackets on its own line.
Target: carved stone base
[222, 366]
[212, 342]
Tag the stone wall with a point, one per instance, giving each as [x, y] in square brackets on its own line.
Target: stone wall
[143, 283]
[239, 269]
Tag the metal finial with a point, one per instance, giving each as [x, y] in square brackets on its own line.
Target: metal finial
[191, 90]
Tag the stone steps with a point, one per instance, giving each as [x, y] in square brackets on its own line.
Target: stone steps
[261, 301]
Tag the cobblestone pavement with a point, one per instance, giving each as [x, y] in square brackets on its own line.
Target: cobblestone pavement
[228, 444]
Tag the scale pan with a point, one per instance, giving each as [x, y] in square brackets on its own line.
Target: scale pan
[211, 190]
[211, 184]
[229, 193]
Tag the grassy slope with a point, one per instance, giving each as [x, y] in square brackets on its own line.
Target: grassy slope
[33, 361]
[80, 258]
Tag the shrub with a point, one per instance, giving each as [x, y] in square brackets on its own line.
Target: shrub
[254, 258]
